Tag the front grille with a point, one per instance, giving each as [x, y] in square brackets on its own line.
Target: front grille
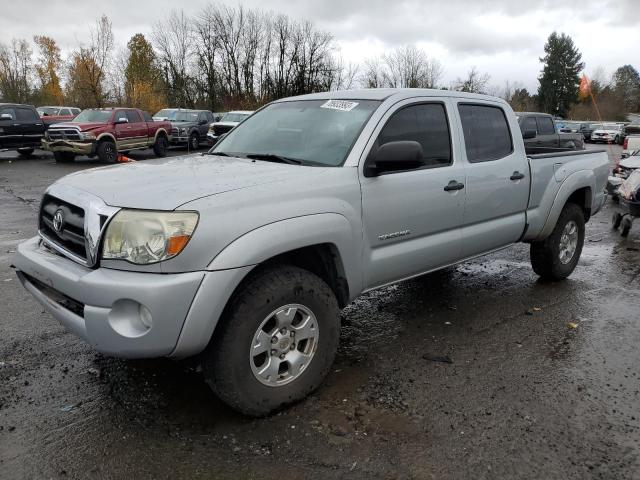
[70, 236]
[64, 134]
[175, 132]
[222, 129]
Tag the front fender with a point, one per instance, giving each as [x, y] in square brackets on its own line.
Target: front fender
[574, 182]
[283, 236]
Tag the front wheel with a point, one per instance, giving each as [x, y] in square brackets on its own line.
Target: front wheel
[160, 146]
[107, 151]
[194, 141]
[556, 257]
[275, 342]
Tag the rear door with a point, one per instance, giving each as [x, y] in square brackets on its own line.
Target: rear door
[10, 135]
[547, 139]
[411, 224]
[138, 131]
[497, 186]
[31, 126]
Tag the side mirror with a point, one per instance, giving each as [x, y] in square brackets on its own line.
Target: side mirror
[527, 134]
[6, 116]
[121, 120]
[202, 122]
[393, 157]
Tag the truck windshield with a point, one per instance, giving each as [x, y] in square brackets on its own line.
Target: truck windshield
[311, 132]
[93, 116]
[184, 117]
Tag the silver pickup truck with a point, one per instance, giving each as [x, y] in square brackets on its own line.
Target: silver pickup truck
[244, 256]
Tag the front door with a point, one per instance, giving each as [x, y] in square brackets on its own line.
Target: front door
[411, 223]
[497, 179]
[31, 126]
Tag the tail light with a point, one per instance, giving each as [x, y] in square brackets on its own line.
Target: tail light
[625, 145]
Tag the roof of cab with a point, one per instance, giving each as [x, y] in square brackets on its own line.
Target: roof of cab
[381, 94]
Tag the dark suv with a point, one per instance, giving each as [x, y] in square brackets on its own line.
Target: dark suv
[21, 128]
[190, 127]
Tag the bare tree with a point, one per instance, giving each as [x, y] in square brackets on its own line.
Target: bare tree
[475, 82]
[16, 65]
[404, 67]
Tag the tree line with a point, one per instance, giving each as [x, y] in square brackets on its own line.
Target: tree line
[225, 58]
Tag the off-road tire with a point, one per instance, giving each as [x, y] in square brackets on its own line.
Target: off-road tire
[226, 362]
[64, 157]
[544, 255]
[160, 146]
[25, 152]
[107, 151]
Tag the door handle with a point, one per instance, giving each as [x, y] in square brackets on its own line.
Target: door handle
[454, 185]
[517, 176]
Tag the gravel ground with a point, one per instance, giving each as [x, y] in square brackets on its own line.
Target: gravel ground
[479, 371]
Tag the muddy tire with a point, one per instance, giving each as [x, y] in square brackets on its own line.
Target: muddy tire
[25, 152]
[64, 157]
[160, 146]
[625, 227]
[107, 151]
[556, 257]
[275, 342]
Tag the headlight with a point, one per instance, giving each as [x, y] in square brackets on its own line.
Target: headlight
[87, 135]
[144, 236]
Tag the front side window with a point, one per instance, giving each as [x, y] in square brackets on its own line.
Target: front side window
[27, 115]
[311, 132]
[133, 116]
[486, 132]
[426, 124]
[545, 126]
[65, 111]
[8, 111]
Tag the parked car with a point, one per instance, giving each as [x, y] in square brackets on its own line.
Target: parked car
[583, 128]
[190, 127]
[631, 143]
[539, 133]
[51, 115]
[246, 256]
[607, 133]
[21, 128]
[226, 123]
[105, 132]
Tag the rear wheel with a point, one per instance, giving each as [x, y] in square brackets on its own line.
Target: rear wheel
[275, 342]
[556, 257]
[64, 157]
[25, 152]
[160, 146]
[107, 151]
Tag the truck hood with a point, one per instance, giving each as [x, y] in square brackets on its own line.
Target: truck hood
[166, 184]
[85, 127]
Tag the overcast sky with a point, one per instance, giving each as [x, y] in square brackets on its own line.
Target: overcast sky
[504, 38]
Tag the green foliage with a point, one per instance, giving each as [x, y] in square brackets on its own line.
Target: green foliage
[626, 83]
[560, 79]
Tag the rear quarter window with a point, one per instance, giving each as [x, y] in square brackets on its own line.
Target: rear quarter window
[486, 132]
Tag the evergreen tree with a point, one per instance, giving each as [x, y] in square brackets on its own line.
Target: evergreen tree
[560, 79]
[626, 83]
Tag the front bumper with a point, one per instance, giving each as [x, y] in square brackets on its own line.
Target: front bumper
[103, 306]
[81, 148]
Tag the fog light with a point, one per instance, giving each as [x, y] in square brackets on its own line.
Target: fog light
[145, 316]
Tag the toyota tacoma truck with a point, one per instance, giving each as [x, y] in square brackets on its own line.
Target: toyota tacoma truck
[105, 132]
[244, 256]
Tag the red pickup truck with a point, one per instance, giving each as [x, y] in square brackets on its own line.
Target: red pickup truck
[105, 132]
[51, 115]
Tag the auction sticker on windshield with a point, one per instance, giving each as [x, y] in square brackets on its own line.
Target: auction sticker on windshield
[341, 105]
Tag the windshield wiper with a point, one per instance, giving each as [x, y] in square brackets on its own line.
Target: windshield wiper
[220, 154]
[271, 157]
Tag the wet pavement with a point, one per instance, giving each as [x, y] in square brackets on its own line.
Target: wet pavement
[479, 371]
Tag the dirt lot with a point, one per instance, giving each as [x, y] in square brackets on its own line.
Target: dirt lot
[480, 371]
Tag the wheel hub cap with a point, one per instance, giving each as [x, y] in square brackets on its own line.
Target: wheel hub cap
[284, 345]
[568, 242]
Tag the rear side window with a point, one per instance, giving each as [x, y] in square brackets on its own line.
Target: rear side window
[65, 111]
[147, 117]
[486, 132]
[426, 124]
[133, 116]
[545, 126]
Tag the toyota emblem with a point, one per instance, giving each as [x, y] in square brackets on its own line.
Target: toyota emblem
[58, 220]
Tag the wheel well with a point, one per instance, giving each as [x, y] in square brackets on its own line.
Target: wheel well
[323, 260]
[106, 138]
[582, 198]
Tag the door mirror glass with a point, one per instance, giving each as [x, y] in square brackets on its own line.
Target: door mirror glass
[6, 116]
[528, 134]
[122, 120]
[395, 156]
